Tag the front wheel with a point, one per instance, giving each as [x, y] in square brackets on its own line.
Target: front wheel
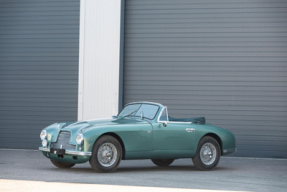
[106, 154]
[207, 155]
[62, 165]
[162, 162]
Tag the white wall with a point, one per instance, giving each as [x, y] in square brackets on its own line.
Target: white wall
[99, 58]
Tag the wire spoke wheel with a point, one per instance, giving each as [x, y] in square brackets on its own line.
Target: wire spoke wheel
[208, 153]
[107, 154]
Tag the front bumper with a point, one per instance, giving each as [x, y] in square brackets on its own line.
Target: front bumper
[68, 156]
[68, 152]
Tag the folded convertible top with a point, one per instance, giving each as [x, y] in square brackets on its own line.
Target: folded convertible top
[198, 120]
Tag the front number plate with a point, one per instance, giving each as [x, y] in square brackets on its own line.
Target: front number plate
[57, 151]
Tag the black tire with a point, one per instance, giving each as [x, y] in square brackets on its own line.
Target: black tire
[95, 162]
[201, 163]
[162, 162]
[62, 165]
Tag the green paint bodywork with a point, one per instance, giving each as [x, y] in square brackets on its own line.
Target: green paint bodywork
[141, 138]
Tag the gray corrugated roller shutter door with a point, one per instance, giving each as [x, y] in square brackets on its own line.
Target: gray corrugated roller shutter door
[225, 60]
[39, 50]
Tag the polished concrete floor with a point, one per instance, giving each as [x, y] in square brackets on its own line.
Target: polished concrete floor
[18, 167]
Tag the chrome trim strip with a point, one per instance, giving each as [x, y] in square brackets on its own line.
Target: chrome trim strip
[44, 149]
[82, 153]
[146, 102]
[69, 152]
[160, 115]
[180, 122]
[167, 113]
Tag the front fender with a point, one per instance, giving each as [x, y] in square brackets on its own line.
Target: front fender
[135, 138]
[92, 134]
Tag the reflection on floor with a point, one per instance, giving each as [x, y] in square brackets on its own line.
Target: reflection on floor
[36, 186]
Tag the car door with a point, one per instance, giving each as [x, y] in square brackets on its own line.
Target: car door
[137, 138]
[175, 140]
[136, 129]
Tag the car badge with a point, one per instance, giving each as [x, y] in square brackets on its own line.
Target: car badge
[190, 130]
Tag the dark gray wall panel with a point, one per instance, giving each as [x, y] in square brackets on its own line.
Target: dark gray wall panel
[39, 50]
[225, 60]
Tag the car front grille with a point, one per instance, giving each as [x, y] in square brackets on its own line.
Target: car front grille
[63, 140]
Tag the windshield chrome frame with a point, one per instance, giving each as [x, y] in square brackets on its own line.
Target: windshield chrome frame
[142, 103]
[164, 107]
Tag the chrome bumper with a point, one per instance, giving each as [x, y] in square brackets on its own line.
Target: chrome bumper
[69, 152]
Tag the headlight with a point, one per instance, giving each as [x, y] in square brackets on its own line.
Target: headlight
[43, 135]
[44, 143]
[80, 139]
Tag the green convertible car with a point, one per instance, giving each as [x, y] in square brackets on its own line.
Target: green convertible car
[142, 130]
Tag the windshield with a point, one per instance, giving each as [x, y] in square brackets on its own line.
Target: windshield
[135, 110]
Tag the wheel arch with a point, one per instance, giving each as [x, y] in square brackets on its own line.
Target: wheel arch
[118, 138]
[217, 138]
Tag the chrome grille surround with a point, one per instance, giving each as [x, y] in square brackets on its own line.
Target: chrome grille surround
[63, 140]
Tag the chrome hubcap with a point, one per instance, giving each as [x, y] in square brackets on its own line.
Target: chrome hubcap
[208, 153]
[107, 154]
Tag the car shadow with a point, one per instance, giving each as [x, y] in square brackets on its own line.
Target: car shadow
[139, 169]
[169, 169]
[155, 168]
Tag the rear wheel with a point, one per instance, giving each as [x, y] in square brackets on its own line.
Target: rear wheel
[207, 155]
[106, 154]
[162, 162]
[62, 165]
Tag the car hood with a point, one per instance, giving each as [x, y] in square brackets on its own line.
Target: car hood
[81, 126]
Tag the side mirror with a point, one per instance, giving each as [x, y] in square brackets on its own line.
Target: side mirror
[163, 123]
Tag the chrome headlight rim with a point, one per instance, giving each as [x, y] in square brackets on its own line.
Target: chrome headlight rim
[80, 139]
[43, 135]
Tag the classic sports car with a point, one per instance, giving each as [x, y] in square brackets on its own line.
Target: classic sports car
[142, 130]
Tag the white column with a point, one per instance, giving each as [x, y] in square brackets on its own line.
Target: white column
[99, 58]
